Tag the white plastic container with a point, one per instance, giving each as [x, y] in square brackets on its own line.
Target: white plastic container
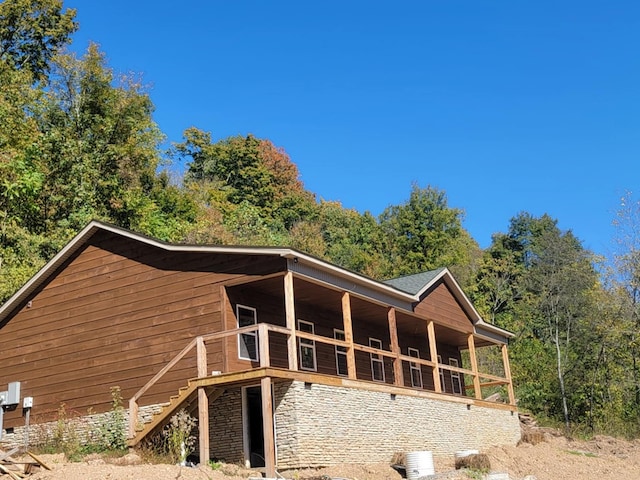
[419, 464]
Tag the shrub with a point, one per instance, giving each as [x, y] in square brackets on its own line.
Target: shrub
[112, 430]
[178, 440]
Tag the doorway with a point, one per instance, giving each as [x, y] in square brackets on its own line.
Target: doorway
[252, 426]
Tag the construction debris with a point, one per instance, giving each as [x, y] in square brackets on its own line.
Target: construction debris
[14, 464]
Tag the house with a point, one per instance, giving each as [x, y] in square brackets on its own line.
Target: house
[350, 369]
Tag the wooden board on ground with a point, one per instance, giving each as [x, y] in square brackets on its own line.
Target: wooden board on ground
[40, 462]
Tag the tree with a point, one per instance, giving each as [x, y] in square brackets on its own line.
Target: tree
[32, 32]
[248, 170]
[352, 240]
[540, 283]
[561, 276]
[99, 145]
[497, 283]
[424, 234]
[20, 180]
[626, 282]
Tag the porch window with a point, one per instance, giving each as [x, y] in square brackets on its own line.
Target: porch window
[416, 370]
[247, 342]
[443, 388]
[456, 385]
[377, 364]
[307, 347]
[341, 354]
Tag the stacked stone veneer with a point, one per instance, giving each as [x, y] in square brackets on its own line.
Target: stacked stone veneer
[84, 428]
[225, 427]
[320, 425]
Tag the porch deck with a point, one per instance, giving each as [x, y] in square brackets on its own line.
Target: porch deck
[205, 385]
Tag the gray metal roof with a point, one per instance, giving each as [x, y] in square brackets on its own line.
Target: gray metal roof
[415, 283]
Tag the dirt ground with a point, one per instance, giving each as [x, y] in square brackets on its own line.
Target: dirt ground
[555, 458]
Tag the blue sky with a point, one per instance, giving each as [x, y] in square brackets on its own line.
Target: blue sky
[506, 106]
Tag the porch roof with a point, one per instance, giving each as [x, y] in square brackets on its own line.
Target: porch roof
[414, 284]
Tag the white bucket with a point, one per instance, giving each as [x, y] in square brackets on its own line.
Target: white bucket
[419, 464]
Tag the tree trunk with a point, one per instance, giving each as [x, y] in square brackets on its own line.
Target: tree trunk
[563, 395]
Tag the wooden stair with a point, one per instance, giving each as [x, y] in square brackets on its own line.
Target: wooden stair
[185, 398]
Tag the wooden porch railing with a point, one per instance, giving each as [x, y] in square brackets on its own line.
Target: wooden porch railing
[264, 329]
[199, 343]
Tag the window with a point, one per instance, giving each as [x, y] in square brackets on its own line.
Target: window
[442, 385]
[456, 385]
[416, 370]
[307, 347]
[377, 364]
[341, 354]
[247, 342]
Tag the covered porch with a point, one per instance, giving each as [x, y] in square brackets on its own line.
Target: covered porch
[291, 326]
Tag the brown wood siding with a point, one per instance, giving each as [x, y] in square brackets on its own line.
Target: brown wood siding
[114, 315]
[447, 352]
[362, 331]
[324, 321]
[269, 309]
[421, 343]
[442, 307]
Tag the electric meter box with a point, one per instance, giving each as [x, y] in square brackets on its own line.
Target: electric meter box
[13, 397]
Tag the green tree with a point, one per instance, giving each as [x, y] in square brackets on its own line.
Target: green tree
[626, 282]
[539, 282]
[32, 32]
[497, 285]
[560, 278]
[424, 233]
[248, 170]
[352, 240]
[20, 180]
[99, 146]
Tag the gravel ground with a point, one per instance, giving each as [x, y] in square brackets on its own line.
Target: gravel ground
[555, 458]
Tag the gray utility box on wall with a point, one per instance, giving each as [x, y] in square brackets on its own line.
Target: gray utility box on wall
[9, 400]
[13, 394]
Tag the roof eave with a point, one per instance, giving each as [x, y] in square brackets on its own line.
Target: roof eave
[80, 239]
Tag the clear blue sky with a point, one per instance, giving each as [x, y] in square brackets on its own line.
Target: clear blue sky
[507, 106]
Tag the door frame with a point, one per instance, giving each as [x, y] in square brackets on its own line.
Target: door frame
[246, 442]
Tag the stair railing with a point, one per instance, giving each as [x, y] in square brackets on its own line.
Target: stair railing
[199, 343]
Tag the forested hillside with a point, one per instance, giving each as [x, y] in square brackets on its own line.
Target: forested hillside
[78, 142]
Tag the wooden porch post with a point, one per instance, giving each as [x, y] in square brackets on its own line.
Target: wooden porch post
[201, 357]
[224, 304]
[267, 428]
[133, 417]
[395, 347]
[507, 374]
[348, 335]
[203, 403]
[474, 366]
[290, 314]
[433, 352]
[263, 345]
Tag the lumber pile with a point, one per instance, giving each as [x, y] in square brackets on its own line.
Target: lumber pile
[16, 466]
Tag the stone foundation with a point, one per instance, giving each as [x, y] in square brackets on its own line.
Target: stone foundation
[85, 429]
[319, 425]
